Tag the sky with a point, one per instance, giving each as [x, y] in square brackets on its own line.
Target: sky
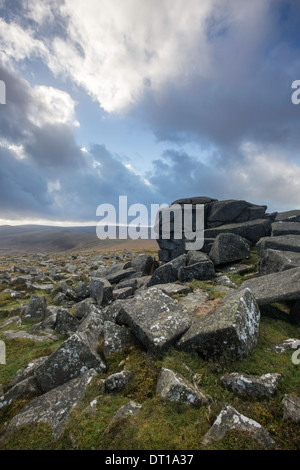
[155, 100]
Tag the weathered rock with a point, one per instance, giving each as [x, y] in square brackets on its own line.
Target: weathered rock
[288, 216]
[28, 386]
[16, 319]
[273, 261]
[72, 358]
[230, 419]
[111, 312]
[192, 301]
[283, 243]
[91, 329]
[66, 324]
[36, 307]
[286, 345]
[131, 408]
[26, 372]
[173, 289]
[252, 230]
[174, 387]
[202, 270]
[155, 319]
[54, 407]
[263, 386]
[122, 293]
[224, 212]
[118, 275]
[285, 228]
[276, 287]
[230, 330]
[168, 272]
[96, 290]
[83, 308]
[229, 247]
[117, 382]
[291, 407]
[116, 338]
[36, 337]
[144, 264]
[82, 290]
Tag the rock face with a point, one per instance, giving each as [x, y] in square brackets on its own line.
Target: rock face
[229, 419]
[231, 330]
[273, 261]
[173, 387]
[155, 319]
[37, 307]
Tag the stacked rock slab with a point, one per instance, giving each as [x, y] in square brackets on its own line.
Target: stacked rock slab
[239, 217]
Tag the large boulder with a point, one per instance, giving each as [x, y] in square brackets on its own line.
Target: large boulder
[231, 330]
[229, 247]
[224, 212]
[288, 216]
[168, 272]
[143, 263]
[155, 319]
[199, 267]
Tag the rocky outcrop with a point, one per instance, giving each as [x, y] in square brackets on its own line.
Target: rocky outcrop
[231, 216]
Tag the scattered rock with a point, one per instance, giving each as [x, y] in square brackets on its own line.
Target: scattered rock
[54, 407]
[117, 382]
[132, 408]
[174, 387]
[263, 386]
[230, 419]
[273, 261]
[36, 307]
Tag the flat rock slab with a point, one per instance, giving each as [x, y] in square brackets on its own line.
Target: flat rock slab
[263, 386]
[230, 419]
[276, 287]
[54, 407]
[174, 387]
[191, 301]
[288, 216]
[252, 230]
[37, 338]
[283, 243]
[285, 228]
[173, 289]
[230, 330]
[155, 319]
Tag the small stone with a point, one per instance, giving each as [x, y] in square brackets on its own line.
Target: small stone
[174, 387]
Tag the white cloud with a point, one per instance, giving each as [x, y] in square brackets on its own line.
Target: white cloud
[52, 106]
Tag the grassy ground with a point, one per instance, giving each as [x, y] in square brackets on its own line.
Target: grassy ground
[161, 425]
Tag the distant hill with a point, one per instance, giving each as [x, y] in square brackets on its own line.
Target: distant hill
[51, 239]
